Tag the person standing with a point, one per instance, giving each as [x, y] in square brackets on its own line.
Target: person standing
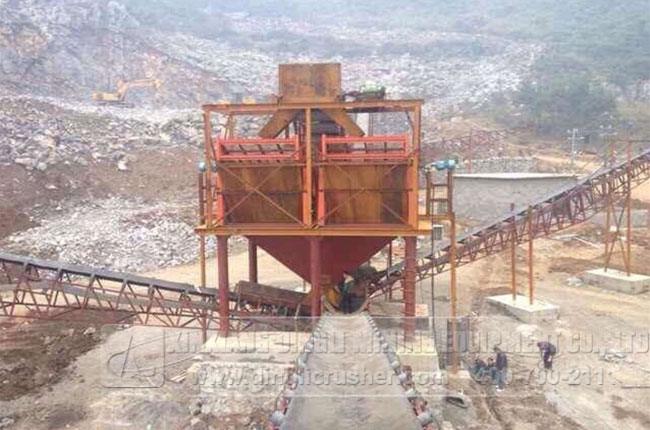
[501, 367]
[547, 350]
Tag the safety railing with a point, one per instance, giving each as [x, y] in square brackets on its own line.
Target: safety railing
[366, 147]
[243, 149]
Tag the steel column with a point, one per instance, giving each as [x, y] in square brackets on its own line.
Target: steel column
[530, 255]
[222, 271]
[410, 249]
[628, 210]
[452, 292]
[202, 221]
[315, 274]
[202, 259]
[308, 190]
[513, 256]
[252, 261]
[389, 264]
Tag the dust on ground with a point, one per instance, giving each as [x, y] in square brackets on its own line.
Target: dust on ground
[592, 386]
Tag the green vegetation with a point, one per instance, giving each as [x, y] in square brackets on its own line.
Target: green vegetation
[557, 96]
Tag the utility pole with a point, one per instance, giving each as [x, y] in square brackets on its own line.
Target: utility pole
[573, 148]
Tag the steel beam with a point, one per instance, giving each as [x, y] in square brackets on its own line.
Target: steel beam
[315, 274]
[410, 250]
[222, 273]
[252, 261]
[567, 207]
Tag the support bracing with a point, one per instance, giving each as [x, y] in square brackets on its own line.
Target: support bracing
[513, 258]
[531, 266]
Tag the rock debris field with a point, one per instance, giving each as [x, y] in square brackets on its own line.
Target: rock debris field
[123, 235]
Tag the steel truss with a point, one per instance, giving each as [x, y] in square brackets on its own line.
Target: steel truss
[570, 206]
[42, 289]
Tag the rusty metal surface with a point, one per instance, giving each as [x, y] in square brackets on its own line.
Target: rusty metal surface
[287, 301]
[43, 289]
[47, 289]
[309, 82]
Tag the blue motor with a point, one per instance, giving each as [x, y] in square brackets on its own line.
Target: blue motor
[444, 164]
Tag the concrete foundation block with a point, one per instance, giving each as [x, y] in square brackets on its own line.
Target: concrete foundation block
[521, 308]
[390, 314]
[420, 353]
[617, 281]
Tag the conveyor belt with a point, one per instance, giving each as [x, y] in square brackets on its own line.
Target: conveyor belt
[342, 350]
[46, 289]
[564, 208]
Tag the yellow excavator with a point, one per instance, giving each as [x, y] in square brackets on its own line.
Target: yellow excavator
[117, 98]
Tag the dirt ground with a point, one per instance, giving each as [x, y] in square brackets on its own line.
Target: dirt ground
[150, 175]
[36, 353]
[586, 390]
[95, 391]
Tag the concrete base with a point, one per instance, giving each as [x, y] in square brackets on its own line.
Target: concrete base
[390, 314]
[245, 364]
[617, 280]
[521, 308]
[420, 353]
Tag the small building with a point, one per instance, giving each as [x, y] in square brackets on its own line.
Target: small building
[485, 197]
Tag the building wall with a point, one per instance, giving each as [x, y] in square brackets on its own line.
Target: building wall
[500, 165]
[486, 197]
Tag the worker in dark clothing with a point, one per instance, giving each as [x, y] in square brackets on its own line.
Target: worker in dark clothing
[491, 370]
[547, 350]
[484, 372]
[501, 367]
[479, 368]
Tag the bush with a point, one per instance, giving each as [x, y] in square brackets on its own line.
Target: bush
[560, 102]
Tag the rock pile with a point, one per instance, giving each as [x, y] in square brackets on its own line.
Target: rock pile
[501, 165]
[37, 133]
[116, 234]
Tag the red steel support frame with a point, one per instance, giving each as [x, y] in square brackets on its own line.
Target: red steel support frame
[617, 215]
[568, 207]
[531, 265]
[452, 277]
[513, 258]
[222, 271]
[257, 153]
[389, 264]
[410, 250]
[252, 261]
[315, 274]
[202, 220]
[628, 209]
[308, 180]
[401, 151]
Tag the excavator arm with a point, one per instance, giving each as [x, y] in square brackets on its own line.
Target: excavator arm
[123, 87]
